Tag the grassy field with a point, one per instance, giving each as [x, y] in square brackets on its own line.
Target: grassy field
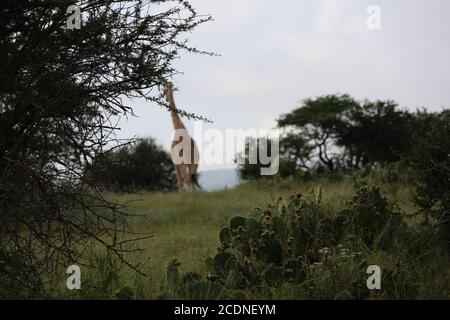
[186, 226]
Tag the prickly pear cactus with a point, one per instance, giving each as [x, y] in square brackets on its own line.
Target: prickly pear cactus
[269, 246]
[204, 290]
[293, 242]
[191, 285]
[371, 217]
[298, 242]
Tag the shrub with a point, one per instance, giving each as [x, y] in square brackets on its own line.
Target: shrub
[190, 286]
[430, 161]
[250, 161]
[371, 218]
[146, 166]
[16, 279]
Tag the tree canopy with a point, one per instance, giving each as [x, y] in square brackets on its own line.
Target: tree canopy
[59, 91]
[143, 166]
[340, 129]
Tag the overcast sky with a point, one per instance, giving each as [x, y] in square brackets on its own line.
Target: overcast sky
[274, 54]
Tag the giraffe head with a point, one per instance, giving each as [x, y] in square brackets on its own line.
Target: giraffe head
[169, 95]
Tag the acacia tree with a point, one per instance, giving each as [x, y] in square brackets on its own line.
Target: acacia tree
[379, 133]
[320, 123]
[59, 91]
[340, 129]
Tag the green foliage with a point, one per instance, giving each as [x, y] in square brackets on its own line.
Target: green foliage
[332, 255]
[430, 162]
[204, 290]
[321, 123]
[61, 91]
[125, 293]
[103, 280]
[325, 112]
[339, 273]
[377, 133]
[371, 218]
[190, 286]
[413, 260]
[336, 133]
[250, 161]
[275, 246]
[359, 132]
[16, 279]
[193, 286]
[301, 247]
[294, 153]
[145, 166]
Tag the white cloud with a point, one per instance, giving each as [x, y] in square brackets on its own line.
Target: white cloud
[339, 17]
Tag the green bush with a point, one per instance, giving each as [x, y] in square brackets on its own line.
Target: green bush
[17, 277]
[191, 286]
[249, 168]
[145, 166]
[430, 161]
[371, 218]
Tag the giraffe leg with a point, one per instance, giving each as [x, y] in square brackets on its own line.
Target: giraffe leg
[193, 174]
[185, 178]
[179, 177]
[188, 180]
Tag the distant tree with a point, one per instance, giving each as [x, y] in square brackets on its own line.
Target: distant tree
[337, 130]
[250, 166]
[296, 149]
[59, 90]
[249, 169]
[321, 122]
[430, 161]
[144, 166]
[377, 133]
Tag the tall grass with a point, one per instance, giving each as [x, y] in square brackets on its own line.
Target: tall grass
[186, 226]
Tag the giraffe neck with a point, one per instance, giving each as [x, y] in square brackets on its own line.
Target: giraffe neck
[176, 120]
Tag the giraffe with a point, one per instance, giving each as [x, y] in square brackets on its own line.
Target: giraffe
[186, 169]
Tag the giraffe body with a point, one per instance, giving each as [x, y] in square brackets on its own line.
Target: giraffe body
[183, 147]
